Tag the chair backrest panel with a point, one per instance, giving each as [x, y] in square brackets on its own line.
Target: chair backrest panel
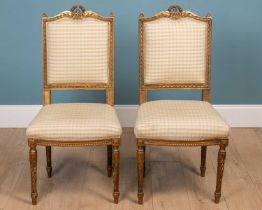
[77, 51]
[175, 51]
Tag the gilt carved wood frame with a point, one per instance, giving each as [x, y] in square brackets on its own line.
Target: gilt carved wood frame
[176, 12]
[113, 153]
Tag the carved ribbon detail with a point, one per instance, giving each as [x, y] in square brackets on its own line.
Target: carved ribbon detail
[78, 11]
[175, 9]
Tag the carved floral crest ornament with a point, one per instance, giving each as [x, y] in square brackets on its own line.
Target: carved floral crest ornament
[175, 9]
[175, 12]
[78, 11]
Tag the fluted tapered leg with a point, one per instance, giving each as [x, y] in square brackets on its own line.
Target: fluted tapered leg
[116, 157]
[109, 160]
[140, 170]
[220, 170]
[33, 166]
[203, 160]
[49, 161]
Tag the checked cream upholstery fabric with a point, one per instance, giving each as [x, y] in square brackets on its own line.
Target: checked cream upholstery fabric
[76, 122]
[175, 51]
[77, 51]
[179, 120]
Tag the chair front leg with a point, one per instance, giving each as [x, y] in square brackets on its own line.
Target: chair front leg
[49, 161]
[33, 166]
[203, 160]
[109, 160]
[140, 169]
[220, 169]
[116, 157]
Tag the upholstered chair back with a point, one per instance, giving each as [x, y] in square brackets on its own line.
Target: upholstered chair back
[175, 49]
[77, 51]
[78, 48]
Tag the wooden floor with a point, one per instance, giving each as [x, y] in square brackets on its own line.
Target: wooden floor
[172, 176]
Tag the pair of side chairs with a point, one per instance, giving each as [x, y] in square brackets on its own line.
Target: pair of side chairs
[174, 53]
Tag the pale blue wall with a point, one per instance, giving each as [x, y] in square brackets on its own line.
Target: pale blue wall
[236, 61]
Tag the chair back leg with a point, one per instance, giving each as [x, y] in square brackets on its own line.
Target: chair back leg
[49, 161]
[109, 160]
[144, 160]
[203, 160]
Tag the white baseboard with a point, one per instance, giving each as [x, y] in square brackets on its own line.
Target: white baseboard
[19, 116]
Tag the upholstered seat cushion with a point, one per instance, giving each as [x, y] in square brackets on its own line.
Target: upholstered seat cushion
[75, 121]
[179, 120]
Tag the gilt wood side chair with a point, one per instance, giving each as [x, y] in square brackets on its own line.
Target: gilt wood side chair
[78, 54]
[175, 53]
